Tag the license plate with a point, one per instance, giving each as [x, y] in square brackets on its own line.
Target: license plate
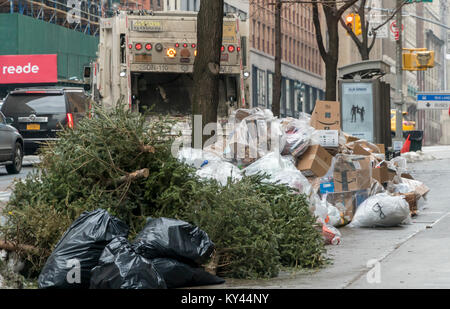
[33, 126]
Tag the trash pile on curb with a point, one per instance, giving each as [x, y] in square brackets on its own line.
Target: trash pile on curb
[347, 181]
[95, 253]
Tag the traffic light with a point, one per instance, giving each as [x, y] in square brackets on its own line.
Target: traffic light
[410, 62]
[357, 23]
[353, 23]
[418, 59]
[425, 59]
[350, 22]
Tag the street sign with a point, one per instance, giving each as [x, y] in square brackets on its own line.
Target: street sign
[382, 33]
[433, 101]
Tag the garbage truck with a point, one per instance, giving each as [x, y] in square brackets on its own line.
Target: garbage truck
[146, 59]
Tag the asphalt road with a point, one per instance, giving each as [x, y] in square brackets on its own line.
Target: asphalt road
[6, 179]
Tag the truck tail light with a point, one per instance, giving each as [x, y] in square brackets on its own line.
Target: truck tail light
[171, 53]
[185, 45]
[238, 49]
[194, 45]
[177, 45]
[138, 46]
[231, 48]
[69, 117]
[222, 48]
[148, 46]
[130, 46]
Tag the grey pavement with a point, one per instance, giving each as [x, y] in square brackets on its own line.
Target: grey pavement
[410, 256]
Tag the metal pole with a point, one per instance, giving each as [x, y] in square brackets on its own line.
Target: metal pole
[399, 72]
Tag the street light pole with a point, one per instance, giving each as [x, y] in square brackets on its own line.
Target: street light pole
[399, 72]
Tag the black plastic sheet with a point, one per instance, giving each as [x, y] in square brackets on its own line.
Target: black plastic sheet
[175, 239]
[120, 267]
[78, 251]
[177, 274]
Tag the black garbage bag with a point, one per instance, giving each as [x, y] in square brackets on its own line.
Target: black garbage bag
[175, 239]
[78, 251]
[177, 274]
[121, 268]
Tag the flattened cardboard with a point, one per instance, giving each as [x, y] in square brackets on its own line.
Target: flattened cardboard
[381, 174]
[382, 148]
[316, 161]
[360, 150]
[326, 115]
[345, 181]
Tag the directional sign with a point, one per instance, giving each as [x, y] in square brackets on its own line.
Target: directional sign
[433, 101]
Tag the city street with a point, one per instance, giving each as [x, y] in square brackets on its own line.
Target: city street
[6, 180]
[411, 256]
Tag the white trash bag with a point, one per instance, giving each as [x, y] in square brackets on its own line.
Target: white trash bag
[196, 157]
[220, 171]
[382, 210]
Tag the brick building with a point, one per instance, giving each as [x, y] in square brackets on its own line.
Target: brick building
[302, 66]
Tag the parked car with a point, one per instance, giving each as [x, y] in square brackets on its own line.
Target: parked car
[40, 113]
[11, 146]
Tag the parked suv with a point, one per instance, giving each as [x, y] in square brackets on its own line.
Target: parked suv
[11, 146]
[39, 113]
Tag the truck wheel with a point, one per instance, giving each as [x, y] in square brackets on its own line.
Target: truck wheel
[16, 166]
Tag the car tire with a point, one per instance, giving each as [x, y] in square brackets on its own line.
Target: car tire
[16, 166]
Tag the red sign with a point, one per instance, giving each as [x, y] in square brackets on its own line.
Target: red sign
[28, 69]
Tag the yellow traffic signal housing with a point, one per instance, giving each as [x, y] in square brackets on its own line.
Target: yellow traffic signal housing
[418, 59]
[357, 25]
[409, 62]
[350, 22]
[425, 59]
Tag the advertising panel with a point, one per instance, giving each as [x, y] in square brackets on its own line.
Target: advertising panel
[28, 69]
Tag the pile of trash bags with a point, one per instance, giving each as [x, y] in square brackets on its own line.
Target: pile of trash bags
[347, 181]
[95, 253]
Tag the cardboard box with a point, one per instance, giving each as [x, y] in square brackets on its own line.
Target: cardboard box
[348, 202]
[411, 198]
[360, 150]
[316, 161]
[382, 148]
[381, 174]
[352, 173]
[365, 148]
[407, 176]
[326, 115]
[345, 181]
[350, 138]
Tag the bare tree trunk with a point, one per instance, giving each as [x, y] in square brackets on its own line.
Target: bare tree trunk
[331, 61]
[276, 87]
[207, 64]
[332, 15]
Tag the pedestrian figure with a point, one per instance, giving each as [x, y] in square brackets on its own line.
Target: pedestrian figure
[362, 114]
[354, 111]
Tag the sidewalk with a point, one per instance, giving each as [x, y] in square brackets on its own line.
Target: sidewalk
[440, 152]
[351, 260]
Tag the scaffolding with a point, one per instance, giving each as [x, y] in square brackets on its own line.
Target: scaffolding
[79, 15]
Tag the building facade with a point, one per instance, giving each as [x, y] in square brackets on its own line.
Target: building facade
[302, 66]
[419, 31]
